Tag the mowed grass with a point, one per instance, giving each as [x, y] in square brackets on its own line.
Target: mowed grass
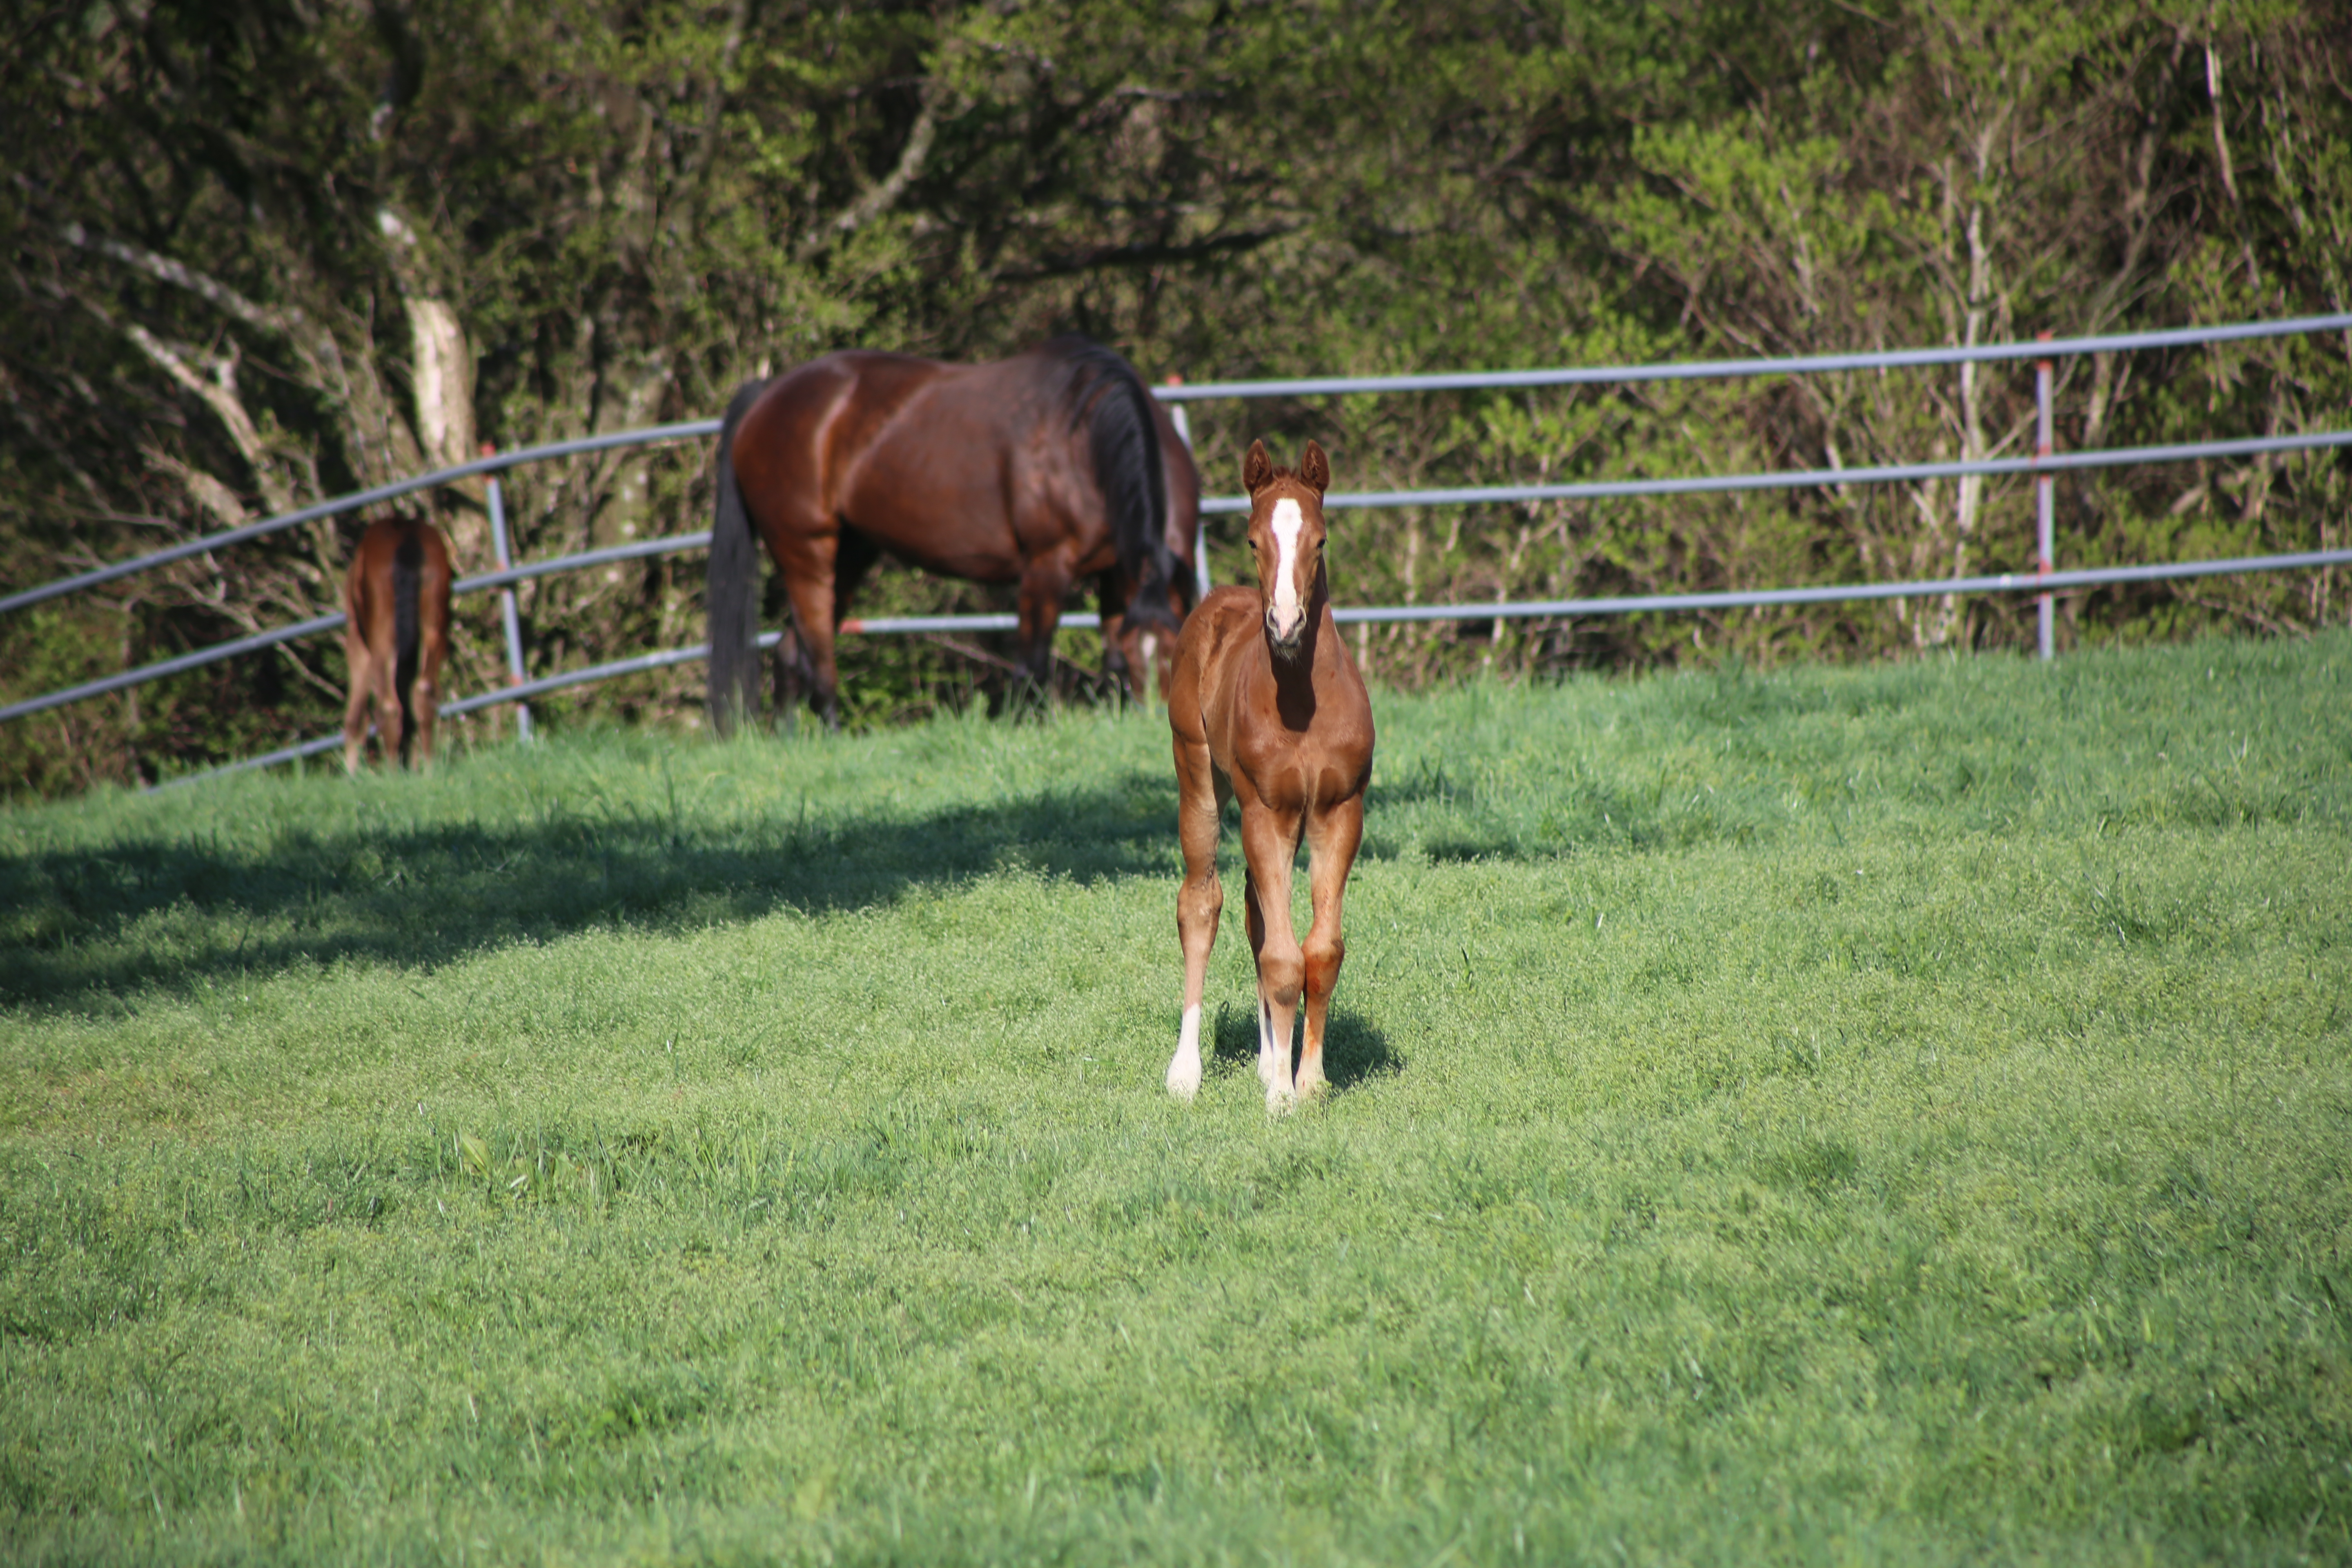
[1896, 1115]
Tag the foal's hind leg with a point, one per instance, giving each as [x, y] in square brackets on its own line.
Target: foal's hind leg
[360, 663]
[391, 734]
[425, 696]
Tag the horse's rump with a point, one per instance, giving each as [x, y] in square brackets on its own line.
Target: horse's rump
[396, 599]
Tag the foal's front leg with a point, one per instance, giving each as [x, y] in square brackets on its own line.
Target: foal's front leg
[1200, 807]
[1332, 837]
[1268, 843]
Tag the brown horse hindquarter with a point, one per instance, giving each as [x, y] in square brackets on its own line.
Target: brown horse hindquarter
[396, 636]
[1267, 709]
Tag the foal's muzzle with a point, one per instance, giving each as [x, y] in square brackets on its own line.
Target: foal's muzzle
[1283, 627]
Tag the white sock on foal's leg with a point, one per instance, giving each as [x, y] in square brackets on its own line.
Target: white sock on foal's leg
[1184, 1067]
[1273, 1061]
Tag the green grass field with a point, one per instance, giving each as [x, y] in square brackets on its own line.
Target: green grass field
[1888, 1115]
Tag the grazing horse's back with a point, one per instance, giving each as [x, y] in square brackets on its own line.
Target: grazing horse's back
[1043, 471]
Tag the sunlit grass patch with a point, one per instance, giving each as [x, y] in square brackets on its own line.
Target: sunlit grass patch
[1893, 1113]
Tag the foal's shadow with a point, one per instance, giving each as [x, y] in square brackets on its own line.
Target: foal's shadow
[1354, 1049]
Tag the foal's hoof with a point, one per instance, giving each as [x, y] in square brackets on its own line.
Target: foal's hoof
[1280, 1100]
[1184, 1079]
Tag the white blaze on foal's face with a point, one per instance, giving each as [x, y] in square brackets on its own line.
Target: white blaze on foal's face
[1287, 610]
[1289, 543]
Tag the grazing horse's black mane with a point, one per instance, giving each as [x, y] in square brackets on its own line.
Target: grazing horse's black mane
[1102, 390]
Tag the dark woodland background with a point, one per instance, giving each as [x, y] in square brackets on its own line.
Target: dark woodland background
[259, 252]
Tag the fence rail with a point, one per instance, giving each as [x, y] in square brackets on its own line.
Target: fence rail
[1821, 479]
[1731, 369]
[2041, 465]
[495, 463]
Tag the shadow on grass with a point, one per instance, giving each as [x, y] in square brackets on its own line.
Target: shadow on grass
[1354, 1049]
[85, 925]
[78, 925]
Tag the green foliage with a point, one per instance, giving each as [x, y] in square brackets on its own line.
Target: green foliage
[236, 232]
[1889, 1114]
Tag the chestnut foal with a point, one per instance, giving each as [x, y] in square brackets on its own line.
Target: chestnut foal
[1269, 708]
[396, 634]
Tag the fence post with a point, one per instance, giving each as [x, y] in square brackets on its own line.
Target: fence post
[1200, 528]
[497, 504]
[2045, 501]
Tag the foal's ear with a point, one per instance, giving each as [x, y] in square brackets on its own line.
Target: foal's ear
[1256, 469]
[1314, 469]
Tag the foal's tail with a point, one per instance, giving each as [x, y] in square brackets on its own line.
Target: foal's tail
[1133, 479]
[408, 569]
[731, 593]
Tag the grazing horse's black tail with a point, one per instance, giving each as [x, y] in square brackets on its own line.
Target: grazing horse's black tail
[1106, 392]
[407, 566]
[730, 593]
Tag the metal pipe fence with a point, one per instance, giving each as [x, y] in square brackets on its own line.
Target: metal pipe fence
[2045, 503]
[510, 620]
[329, 622]
[2042, 465]
[1193, 392]
[1338, 500]
[1516, 609]
[498, 462]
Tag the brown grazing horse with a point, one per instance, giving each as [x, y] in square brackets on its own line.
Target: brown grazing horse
[396, 634]
[1269, 708]
[1044, 469]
